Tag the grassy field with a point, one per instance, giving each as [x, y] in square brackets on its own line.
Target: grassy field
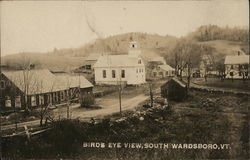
[227, 83]
[202, 118]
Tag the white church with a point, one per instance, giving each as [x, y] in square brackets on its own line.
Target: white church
[126, 69]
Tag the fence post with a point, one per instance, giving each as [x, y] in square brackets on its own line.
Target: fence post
[27, 132]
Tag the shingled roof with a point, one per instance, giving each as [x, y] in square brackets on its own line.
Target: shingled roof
[166, 67]
[239, 59]
[43, 81]
[68, 81]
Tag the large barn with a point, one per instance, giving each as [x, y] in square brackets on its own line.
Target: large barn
[32, 88]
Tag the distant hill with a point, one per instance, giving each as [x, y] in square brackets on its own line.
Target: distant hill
[67, 59]
[214, 32]
[225, 41]
[51, 62]
[119, 44]
[225, 47]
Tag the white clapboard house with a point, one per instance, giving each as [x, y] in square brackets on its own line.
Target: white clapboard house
[116, 69]
[237, 66]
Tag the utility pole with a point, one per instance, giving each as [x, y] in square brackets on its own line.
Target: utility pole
[120, 98]
[151, 94]
[67, 95]
[15, 119]
[120, 91]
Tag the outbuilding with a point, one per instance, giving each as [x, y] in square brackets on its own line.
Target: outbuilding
[174, 89]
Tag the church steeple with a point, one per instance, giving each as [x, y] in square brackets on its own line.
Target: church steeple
[134, 49]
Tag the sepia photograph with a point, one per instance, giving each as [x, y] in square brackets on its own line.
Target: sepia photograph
[124, 80]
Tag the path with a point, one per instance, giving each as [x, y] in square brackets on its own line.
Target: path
[85, 114]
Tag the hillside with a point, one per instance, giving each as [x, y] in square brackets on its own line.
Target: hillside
[119, 44]
[68, 59]
[226, 47]
[229, 41]
[51, 62]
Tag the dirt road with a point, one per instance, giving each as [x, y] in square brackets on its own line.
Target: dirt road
[127, 104]
[109, 106]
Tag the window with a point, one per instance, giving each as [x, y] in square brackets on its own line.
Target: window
[41, 99]
[2, 84]
[18, 102]
[231, 74]
[160, 73]
[104, 74]
[173, 72]
[232, 66]
[62, 95]
[49, 98]
[139, 61]
[88, 66]
[33, 101]
[113, 73]
[123, 73]
[166, 73]
[54, 97]
[8, 103]
[240, 73]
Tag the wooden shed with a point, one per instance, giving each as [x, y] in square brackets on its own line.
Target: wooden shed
[174, 89]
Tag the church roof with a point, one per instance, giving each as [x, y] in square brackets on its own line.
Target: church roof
[117, 61]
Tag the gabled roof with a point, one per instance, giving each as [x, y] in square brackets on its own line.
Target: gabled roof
[117, 61]
[166, 67]
[68, 81]
[241, 59]
[33, 81]
[43, 81]
[158, 59]
[179, 82]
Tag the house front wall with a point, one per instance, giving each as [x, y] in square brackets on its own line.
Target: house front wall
[237, 71]
[160, 73]
[132, 75]
[10, 95]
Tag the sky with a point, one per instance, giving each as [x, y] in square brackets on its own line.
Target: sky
[41, 26]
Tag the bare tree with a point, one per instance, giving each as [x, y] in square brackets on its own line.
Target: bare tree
[44, 108]
[150, 67]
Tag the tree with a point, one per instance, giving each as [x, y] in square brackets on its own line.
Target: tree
[151, 66]
[219, 66]
[207, 58]
[44, 108]
[186, 55]
[26, 78]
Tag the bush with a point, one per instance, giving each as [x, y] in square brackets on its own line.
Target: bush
[87, 101]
